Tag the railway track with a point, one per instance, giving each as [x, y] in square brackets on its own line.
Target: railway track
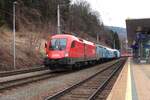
[89, 88]
[21, 71]
[18, 80]
[11, 79]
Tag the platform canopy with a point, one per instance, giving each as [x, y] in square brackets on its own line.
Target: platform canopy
[137, 25]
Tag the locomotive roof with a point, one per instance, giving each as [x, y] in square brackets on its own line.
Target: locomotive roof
[115, 50]
[63, 36]
[100, 45]
[72, 37]
[109, 49]
[106, 47]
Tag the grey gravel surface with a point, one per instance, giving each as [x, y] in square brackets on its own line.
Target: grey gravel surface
[20, 76]
[41, 89]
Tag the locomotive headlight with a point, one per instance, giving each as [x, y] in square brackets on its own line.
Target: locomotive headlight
[66, 54]
[47, 55]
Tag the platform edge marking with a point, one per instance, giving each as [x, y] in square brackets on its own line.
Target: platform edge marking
[128, 88]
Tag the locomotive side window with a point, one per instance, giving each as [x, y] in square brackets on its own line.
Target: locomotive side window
[58, 44]
[73, 44]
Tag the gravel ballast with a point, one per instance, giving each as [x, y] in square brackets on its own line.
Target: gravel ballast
[41, 89]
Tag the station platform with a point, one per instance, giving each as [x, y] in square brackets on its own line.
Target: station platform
[133, 83]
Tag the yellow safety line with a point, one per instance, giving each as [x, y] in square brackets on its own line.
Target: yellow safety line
[128, 88]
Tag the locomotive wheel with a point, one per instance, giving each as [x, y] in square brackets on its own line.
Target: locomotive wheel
[77, 66]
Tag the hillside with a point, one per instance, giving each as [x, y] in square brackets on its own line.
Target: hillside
[36, 20]
[26, 54]
[120, 30]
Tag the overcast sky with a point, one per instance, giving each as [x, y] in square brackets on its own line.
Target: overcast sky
[114, 12]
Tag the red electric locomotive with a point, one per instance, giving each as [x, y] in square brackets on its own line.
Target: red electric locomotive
[65, 49]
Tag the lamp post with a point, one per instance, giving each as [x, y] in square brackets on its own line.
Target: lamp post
[14, 33]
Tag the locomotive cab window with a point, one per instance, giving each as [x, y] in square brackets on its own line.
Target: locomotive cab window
[45, 45]
[73, 44]
[58, 44]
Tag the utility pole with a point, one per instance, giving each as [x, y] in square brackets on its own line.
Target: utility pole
[14, 33]
[121, 46]
[97, 38]
[126, 45]
[114, 44]
[58, 19]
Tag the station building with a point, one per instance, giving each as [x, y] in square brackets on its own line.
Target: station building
[138, 33]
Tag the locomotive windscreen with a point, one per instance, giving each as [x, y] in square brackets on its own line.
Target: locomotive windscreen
[58, 44]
